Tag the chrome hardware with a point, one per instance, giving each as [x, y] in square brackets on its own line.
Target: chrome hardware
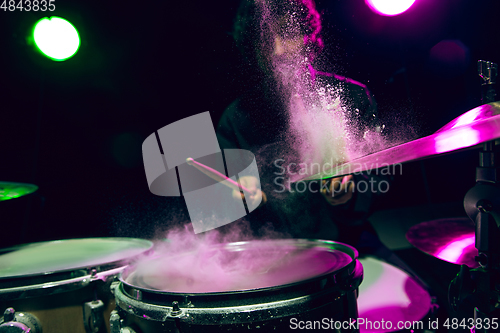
[115, 323]
[93, 318]
[19, 322]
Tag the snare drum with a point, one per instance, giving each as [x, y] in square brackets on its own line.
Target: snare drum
[254, 285]
[389, 299]
[63, 286]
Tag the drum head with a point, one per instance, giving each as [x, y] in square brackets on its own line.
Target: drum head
[240, 266]
[390, 294]
[66, 255]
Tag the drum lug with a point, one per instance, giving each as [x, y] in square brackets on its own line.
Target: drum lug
[93, 318]
[14, 322]
[115, 323]
[176, 310]
[113, 286]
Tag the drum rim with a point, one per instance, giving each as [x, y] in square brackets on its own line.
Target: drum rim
[321, 281]
[19, 280]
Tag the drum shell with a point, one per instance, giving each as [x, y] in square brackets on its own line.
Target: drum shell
[331, 296]
[68, 281]
[63, 312]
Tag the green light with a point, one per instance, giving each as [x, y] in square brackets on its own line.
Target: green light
[9, 190]
[56, 38]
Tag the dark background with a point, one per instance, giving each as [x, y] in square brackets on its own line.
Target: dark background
[76, 128]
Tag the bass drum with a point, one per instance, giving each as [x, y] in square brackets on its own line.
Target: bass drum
[390, 300]
[281, 285]
[63, 286]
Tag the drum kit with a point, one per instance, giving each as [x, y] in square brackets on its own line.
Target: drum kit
[122, 285]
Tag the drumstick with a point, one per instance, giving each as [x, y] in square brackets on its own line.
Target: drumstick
[216, 175]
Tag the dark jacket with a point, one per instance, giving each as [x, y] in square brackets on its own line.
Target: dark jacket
[258, 122]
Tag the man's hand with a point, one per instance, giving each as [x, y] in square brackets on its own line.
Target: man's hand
[339, 190]
[250, 183]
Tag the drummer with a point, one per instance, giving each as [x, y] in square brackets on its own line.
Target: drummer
[280, 41]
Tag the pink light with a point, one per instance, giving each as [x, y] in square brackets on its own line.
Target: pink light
[468, 117]
[449, 57]
[454, 250]
[389, 7]
[388, 294]
[460, 137]
[477, 114]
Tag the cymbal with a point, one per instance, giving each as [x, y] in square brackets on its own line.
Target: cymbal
[451, 240]
[9, 190]
[480, 113]
[476, 126]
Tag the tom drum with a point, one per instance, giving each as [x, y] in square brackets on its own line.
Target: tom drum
[63, 286]
[253, 285]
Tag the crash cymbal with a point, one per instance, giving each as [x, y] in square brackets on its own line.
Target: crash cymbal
[9, 190]
[476, 126]
[480, 113]
[451, 239]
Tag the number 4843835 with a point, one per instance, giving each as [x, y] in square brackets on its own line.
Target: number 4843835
[28, 5]
[471, 323]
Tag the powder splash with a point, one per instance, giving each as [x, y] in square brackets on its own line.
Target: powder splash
[188, 263]
[326, 122]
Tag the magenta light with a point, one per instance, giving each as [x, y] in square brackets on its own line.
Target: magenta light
[449, 58]
[454, 250]
[468, 117]
[457, 138]
[389, 295]
[449, 51]
[482, 112]
[389, 7]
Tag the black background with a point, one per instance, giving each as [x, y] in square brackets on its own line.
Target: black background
[76, 128]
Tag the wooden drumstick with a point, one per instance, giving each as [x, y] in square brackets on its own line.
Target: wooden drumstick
[216, 175]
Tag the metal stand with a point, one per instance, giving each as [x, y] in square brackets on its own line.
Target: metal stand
[479, 289]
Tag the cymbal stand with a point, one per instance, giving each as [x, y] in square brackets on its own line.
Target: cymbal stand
[479, 289]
